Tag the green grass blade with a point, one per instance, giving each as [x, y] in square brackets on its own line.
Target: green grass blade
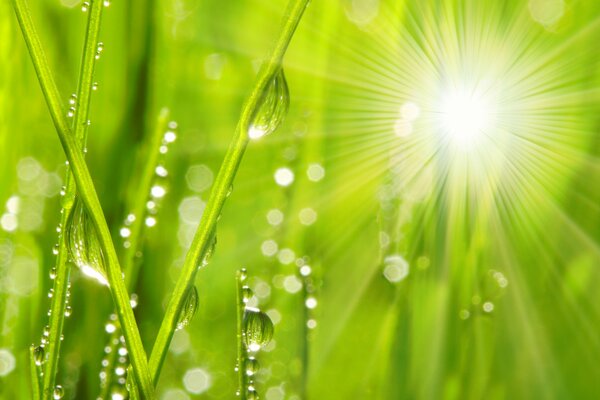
[61, 281]
[222, 186]
[35, 377]
[89, 196]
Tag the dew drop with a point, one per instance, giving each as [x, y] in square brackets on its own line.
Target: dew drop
[243, 274]
[71, 112]
[189, 308]
[210, 250]
[83, 244]
[246, 294]
[55, 249]
[68, 311]
[85, 6]
[258, 329]
[95, 86]
[53, 273]
[39, 355]
[271, 112]
[252, 366]
[252, 394]
[58, 392]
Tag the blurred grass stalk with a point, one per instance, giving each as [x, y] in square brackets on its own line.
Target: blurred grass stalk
[138, 210]
[203, 238]
[89, 197]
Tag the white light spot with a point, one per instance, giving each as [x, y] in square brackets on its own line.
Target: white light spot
[13, 204]
[9, 222]
[191, 209]
[125, 232]
[175, 394]
[93, 273]
[150, 222]
[292, 284]
[269, 248]
[410, 111]
[161, 171]
[274, 315]
[199, 178]
[315, 172]
[465, 116]
[488, 306]
[255, 133]
[275, 217]
[307, 216]
[7, 362]
[286, 256]
[110, 328]
[311, 303]
[196, 380]
[170, 136]
[547, 12]
[157, 191]
[396, 268]
[305, 270]
[284, 176]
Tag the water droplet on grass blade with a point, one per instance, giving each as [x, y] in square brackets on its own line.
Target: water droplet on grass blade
[83, 244]
[189, 308]
[252, 366]
[210, 250]
[252, 394]
[246, 294]
[58, 392]
[39, 355]
[271, 112]
[258, 329]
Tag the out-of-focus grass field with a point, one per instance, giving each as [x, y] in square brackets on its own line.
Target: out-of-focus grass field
[501, 238]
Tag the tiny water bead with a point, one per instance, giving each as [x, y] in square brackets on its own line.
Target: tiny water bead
[273, 108]
[189, 308]
[83, 244]
[85, 6]
[210, 250]
[258, 329]
[58, 392]
[252, 366]
[68, 311]
[246, 294]
[39, 355]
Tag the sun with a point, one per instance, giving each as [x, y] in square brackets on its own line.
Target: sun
[465, 117]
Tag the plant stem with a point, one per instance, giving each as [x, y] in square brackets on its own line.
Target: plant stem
[89, 197]
[242, 354]
[35, 377]
[222, 186]
[59, 299]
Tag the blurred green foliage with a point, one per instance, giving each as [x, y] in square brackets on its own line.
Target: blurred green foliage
[500, 298]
